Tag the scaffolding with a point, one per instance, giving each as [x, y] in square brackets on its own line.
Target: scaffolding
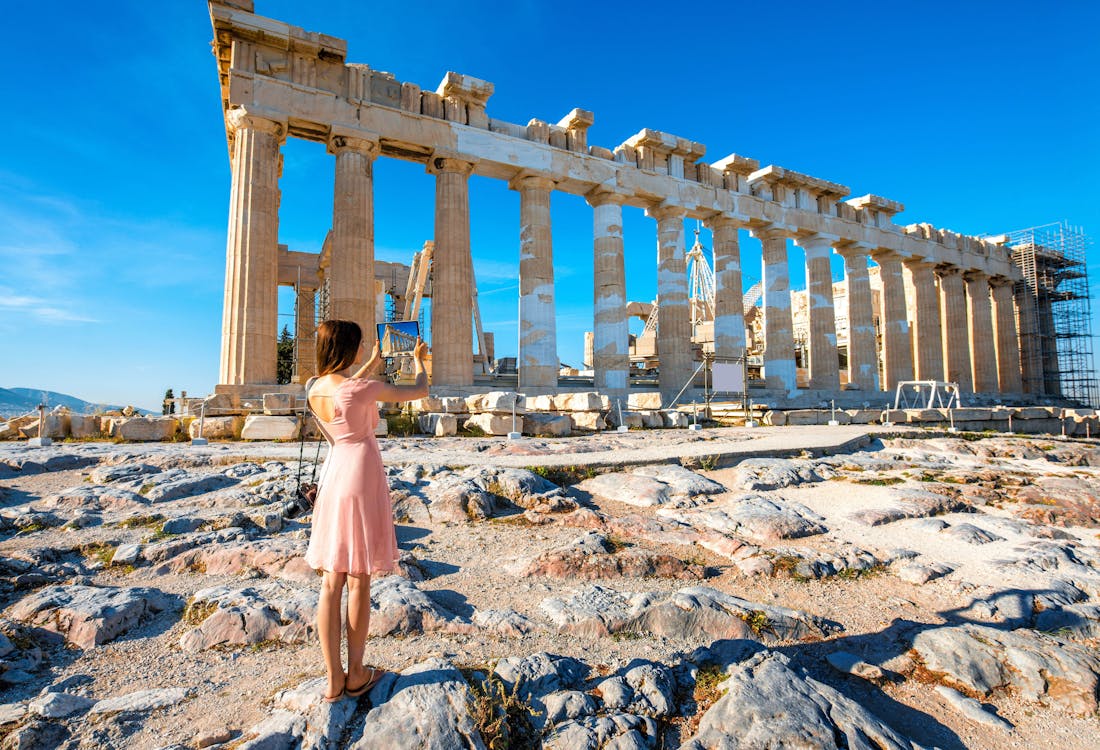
[1053, 312]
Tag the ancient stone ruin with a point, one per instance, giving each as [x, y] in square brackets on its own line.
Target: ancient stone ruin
[947, 310]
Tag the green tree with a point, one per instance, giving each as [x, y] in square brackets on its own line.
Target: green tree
[169, 406]
[284, 368]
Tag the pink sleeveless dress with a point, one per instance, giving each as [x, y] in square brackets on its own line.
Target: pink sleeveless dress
[352, 520]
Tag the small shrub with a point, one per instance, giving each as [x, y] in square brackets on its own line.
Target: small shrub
[758, 621]
[880, 481]
[470, 430]
[501, 716]
[196, 612]
[403, 425]
[616, 543]
[102, 551]
[146, 487]
[563, 476]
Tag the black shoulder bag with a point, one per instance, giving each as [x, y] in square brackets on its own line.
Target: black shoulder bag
[305, 493]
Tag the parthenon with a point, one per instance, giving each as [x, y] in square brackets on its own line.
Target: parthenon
[948, 310]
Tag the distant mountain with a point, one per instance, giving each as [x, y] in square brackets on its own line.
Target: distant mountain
[16, 401]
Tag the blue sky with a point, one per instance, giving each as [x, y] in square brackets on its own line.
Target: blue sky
[980, 117]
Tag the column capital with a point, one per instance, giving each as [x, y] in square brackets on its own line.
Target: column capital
[944, 271]
[257, 118]
[769, 232]
[816, 243]
[530, 180]
[359, 141]
[722, 220]
[1001, 282]
[664, 211]
[882, 255]
[916, 263]
[851, 249]
[601, 195]
[975, 275]
[441, 162]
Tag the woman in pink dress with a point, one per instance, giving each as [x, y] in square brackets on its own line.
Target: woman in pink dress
[353, 535]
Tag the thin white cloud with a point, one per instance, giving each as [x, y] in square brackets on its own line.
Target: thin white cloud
[41, 308]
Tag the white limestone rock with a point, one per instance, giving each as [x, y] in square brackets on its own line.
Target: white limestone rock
[493, 424]
[95, 497]
[767, 703]
[547, 425]
[616, 730]
[632, 489]
[59, 705]
[971, 709]
[84, 426]
[144, 429]
[425, 707]
[88, 616]
[279, 404]
[217, 428]
[587, 421]
[438, 424]
[495, 402]
[761, 519]
[142, 701]
[269, 428]
[774, 473]
[648, 401]
[276, 611]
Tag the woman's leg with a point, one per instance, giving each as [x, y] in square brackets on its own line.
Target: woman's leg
[358, 624]
[328, 629]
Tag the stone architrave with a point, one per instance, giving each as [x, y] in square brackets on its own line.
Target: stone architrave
[673, 320]
[926, 326]
[305, 333]
[779, 365]
[452, 303]
[611, 335]
[862, 357]
[351, 269]
[538, 353]
[1008, 346]
[250, 312]
[956, 331]
[824, 366]
[983, 347]
[897, 354]
[729, 311]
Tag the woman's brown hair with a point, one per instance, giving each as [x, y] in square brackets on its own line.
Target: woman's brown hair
[337, 345]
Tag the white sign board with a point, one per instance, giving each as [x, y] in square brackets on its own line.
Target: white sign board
[728, 377]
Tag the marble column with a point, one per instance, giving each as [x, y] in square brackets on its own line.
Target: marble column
[351, 269]
[1007, 343]
[779, 365]
[824, 369]
[983, 349]
[926, 327]
[1027, 328]
[862, 357]
[250, 312]
[673, 321]
[897, 354]
[956, 330]
[538, 350]
[305, 333]
[452, 271]
[611, 335]
[729, 311]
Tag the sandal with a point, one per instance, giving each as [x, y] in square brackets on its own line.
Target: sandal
[372, 680]
[338, 696]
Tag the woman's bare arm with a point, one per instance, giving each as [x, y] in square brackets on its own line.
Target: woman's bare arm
[372, 363]
[419, 389]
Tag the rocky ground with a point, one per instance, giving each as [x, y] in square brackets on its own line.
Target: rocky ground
[866, 592]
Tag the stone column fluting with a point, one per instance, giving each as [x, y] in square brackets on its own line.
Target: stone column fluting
[779, 364]
[305, 333]
[452, 274]
[862, 358]
[956, 331]
[250, 313]
[1008, 345]
[673, 318]
[926, 326]
[611, 334]
[897, 354]
[983, 347]
[538, 352]
[824, 366]
[351, 265]
[729, 310]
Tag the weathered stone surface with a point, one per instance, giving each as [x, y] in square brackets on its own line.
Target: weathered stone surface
[217, 428]
[695, 612]
[650, 400]
[84, 426]
[494, 424]
[863, 416]
[144, 429]
[675, 419]
[767, 703]
[631, 419]
[188, 485]
[776, 473]
[398, 607]
[505, 622]
[1035, 666]
[269, 428]
[593, 556]
[521, 487]
[971, 709]
[618, 731]
[842, 661]
[141, 701]
[547, 425]
[95, 497]
[908, 502]
[425, 707]
[275, 611]
[564, 705]
[495, 402]
[539, 675]
[278, 557]
[456, 499]
[632, 489]
[587, 401]
[59, 705]
[440, 425]
[971, 534]
[587, 421]
[89, 616]
[921, 572]
[681, 481]
[427, 405]
[278, 404]
[648, 689]
[761, 519]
